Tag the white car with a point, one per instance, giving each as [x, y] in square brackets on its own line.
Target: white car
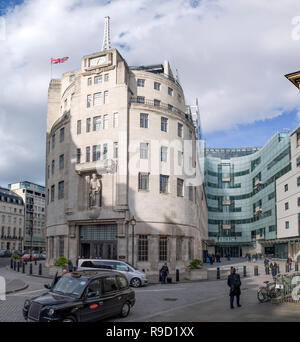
[135, 277]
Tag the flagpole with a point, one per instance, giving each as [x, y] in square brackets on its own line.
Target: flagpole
[50, 69]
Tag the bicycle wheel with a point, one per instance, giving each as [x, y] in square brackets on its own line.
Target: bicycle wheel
[262, 295]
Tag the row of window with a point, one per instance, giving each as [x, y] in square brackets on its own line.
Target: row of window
[9, 209]
[7, 231]
[99, 122]
[157, 86]
[143, 248]
[9, 220]
[97, 99]
[61, 191]
[97, 79]
[95, 153]
[143, 184]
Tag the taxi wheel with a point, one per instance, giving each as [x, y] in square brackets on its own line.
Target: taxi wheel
[135, 282]
[125, 310]
[69, 319]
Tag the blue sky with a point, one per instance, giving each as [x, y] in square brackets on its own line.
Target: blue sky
[230, 54]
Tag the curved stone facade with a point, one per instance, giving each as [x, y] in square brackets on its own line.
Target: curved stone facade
[118, 139]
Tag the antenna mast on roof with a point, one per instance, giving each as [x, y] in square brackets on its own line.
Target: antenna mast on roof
[106, 38]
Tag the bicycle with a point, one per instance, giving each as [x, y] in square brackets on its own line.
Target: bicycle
[269, 291]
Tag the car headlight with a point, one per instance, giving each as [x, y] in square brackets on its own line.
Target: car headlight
[51, 312]
[27, 304]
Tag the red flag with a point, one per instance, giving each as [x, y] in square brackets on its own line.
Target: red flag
[59, 60]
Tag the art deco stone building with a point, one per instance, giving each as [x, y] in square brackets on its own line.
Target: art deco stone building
[121, 142]
[12, 220]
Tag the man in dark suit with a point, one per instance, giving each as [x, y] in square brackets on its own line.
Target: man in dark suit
[234, 282]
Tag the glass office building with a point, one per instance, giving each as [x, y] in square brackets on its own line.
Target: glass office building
[241, 195]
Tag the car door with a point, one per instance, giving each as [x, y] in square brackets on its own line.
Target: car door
[93, 308]
[111, 295]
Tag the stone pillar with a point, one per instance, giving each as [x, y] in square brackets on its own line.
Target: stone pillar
[153, 250]
[172, 253]
[73, 242]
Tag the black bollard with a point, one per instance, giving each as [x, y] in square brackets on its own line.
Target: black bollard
[35, 262]
[15, 265]
[218, 273]
[30, 269]
[278, 269]
[287, 268]
[11, 263]
[245, 271]
[296, 266]
[23, 268]
[177, 275]
[40, 269]
[256, 270]
[18, 266]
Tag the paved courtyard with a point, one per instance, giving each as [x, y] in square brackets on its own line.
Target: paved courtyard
[205, 301]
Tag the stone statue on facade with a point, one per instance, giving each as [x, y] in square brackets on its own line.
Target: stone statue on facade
[95, 191]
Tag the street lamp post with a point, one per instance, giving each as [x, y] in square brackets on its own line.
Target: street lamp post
[133, 223]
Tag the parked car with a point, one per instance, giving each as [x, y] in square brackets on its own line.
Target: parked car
[14, 251]
[36, 255]
[43, 256]
[135, 277]
[3, 253]
[27, 257]
[81, 297]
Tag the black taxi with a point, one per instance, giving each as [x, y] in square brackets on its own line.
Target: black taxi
[82, 296]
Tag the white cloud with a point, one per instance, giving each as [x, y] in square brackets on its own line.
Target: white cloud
[231, 54]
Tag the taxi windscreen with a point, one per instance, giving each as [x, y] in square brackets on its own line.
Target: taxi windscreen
[70, 286]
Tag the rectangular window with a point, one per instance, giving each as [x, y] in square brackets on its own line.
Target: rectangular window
[96, 123]
[62, 135]
[180, 128]
[298, 181]
[61, 249]
[53, 141]
[164, 154]
[61, 190]
[156, 103]
[78, 155]
[191, 193]
[105, 97]
[98, 79]
[140, 99]
[143, 248]
[156, 86]
[144, 120]
[97, 99]
[286, 187]
[170, 91]
[88, 125]
[52, 167]
[179, 187]
[170, 107]
[116, 120]
[179, 98]
[143, 181]
[78, 126]
[163, 248]
[96, 152]
[89, 101]
[298, 161]
[298, 201]
[164, 124]
[179, 242]
[179, 154]
[116, 149]
[287, 224]
[143, 151]
[286, 205]
[71, 78]
[106, 77]
[164, 184]
[105, 121]
[61, 162]
[105, 151]
[140, 83]
[88, 154]
[52, 193]
[89, 81]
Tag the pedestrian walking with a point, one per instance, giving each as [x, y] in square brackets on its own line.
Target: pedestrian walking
[234, 282]
[273, 267]
[249, 257]
[207, 259]
[164, 271]
[218, 257]
[290, 263]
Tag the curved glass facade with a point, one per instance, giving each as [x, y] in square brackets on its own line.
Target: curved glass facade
[241, 197]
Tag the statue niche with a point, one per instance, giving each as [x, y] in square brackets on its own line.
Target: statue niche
[95, 191]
